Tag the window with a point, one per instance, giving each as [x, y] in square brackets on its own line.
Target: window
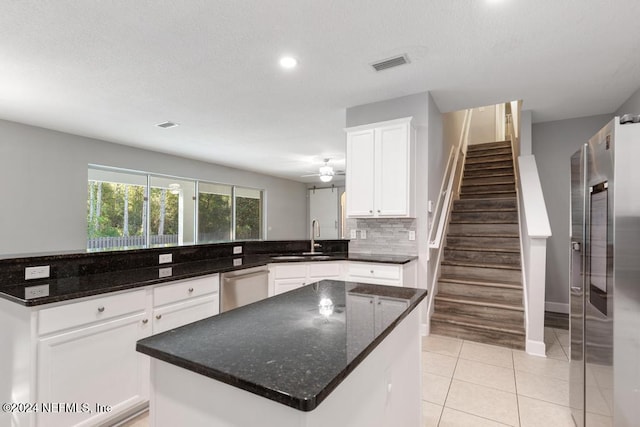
[129, 209]
[214, 212]
[248, 203]
[115, 212]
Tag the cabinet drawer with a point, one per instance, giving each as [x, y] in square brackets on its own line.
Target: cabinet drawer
[97, 309]
[295, 270]
[376, 271]
[324, 269]
[185, 289]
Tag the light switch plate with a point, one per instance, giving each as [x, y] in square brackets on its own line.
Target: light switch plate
[363, 234]
[237, 250]
[165, 259]
[412, 235]
[237, 262]
[39, 272]
[354, 234]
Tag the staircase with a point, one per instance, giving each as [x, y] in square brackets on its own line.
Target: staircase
[480, 296]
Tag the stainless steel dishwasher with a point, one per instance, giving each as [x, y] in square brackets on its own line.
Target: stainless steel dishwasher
[241, 287]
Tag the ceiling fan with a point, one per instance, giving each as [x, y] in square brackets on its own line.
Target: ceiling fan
[325, 172]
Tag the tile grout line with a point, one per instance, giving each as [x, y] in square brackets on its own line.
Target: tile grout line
[515, 383]
[450, 381]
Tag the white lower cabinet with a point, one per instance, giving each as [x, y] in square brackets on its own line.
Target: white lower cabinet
[184, 302]
[284, 277]
[383, 274]
[94, 367]
[86, 359]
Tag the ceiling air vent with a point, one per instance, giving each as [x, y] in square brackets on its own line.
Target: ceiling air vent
[167, 125]
[391, 62]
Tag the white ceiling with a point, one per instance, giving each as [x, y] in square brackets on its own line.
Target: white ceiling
[114, 69]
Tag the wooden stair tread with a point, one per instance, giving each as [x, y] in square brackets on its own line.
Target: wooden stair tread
[484, 184]
[480, 265]
[478, 210]
[488, 145]
[475, 323]
[481, 249]
[506, 221]
[489, 192]
[479, 234]
[493, 284]
[482, 302]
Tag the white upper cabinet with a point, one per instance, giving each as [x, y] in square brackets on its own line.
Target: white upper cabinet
[380, 170]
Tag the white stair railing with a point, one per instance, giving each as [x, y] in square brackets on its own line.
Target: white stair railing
[534, 231]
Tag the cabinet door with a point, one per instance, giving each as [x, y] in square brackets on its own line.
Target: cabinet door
[176, 315]
[360, 173]
[286, 285]
[392, 171]
[95, 365]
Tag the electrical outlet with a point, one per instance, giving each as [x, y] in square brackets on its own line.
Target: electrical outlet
[165, 258]
[363, 234]
[354, 234]
[412, 235]
[39, 272]
[237, 250]
[237, 262]
[165, 272]
[39, 291]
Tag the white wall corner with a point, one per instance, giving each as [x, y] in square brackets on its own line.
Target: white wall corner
[536, 348]
[557, 307]
[424, 329]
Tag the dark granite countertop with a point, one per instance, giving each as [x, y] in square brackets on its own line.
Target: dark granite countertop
[283, 348]
[79, 286]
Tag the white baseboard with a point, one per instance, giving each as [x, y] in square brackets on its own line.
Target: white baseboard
[557, 307]
[536, 348]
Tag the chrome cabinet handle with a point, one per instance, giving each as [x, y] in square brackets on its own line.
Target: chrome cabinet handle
[158, 316]
[145, 321]
[371, 272]
[100, 309]
[190, 290]
[370, 211]
[370, 301]
[379, 303]
[378, 210]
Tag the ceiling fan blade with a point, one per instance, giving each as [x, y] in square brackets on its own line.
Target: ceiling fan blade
[313, 174]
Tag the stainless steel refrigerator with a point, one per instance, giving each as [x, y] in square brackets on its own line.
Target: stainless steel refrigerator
[605, 278]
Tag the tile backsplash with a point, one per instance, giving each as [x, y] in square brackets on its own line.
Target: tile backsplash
[384, 236]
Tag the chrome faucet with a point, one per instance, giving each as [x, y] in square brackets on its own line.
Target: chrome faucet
[315, 232]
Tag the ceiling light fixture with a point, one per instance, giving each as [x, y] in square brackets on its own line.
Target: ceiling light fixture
[288, 62]
[326, 172]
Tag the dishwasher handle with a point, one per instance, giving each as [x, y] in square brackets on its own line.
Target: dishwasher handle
[246, 276]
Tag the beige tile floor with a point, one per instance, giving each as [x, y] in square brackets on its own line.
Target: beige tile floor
[471, 384]
[477, 385]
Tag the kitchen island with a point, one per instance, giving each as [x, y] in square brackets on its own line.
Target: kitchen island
[329, 353]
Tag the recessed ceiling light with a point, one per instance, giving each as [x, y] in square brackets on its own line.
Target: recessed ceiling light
[288, 62]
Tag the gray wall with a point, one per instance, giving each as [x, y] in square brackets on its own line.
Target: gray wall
[553, 144]
[44, 176]
[631, 105]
